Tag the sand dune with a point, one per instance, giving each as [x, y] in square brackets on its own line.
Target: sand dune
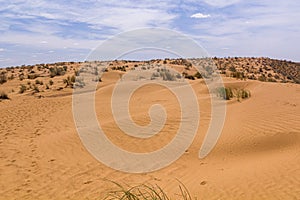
[257, 156]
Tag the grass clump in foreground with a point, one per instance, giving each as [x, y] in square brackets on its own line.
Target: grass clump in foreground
[144, 192]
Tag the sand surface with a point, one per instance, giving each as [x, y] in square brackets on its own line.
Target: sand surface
[256, 157]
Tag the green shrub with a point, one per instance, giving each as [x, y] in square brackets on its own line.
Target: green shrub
[167, 75]
[3, 77]
[271, 80]
[22, 89]
[51, 82]
[35, 88]
[262, 78]
[198, 75]
[69, 81]
[57, 71]
[38, 82]
[225, 93]
[244, 94]
[79, 83]
[189, 77]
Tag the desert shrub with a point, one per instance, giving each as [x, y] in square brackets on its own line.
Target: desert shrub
[79, 82]
[155, 75]
[97, 79]
[238, 75]
[189, 77]
[65, 68]
[243, 94]
[232, 69]
[145, 192]
[3, 95]
[38, 82]
[198, 75]
[271, 80]
[167, 75]
[21, 77]
[225, 93]
[47, 87]
[35, 88]
[22, 89]
[56, 71]
[3, 77]
[11, 77]
[69, 81]
[262, 78]
[77, 73]
[32, 76]
[51, 82]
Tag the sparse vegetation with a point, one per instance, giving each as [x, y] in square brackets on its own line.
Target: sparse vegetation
[32, 76]
[228, 93]
[198, 75]
[38, 82]
[225, 93]
[69, 81]
[3, 77]
[243, 94]
[56, 71]
[35, 88]
[145, 192]
[22, 89]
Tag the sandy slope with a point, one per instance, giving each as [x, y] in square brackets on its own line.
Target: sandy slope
[257, 156]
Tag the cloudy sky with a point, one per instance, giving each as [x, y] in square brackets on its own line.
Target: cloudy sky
[44, 31]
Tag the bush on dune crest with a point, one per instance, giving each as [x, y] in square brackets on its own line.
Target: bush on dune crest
[145, 192]
[226, 93]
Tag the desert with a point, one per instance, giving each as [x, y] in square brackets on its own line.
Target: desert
[256, 157]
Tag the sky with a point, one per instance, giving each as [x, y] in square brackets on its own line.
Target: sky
[44, 31]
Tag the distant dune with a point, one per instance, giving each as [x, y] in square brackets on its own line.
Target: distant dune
[256, 157]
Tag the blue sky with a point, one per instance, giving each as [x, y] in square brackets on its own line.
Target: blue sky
[37, 31]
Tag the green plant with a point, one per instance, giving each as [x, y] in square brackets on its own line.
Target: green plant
[56, 71]
[38, 82]
[69, 81]
[145, 192]
[262, 78]
[51, 82]
[244, 94]
[189, 77]
[225, 93]
[198, 75]
[22, 89]
[3, 77]
[35, 88]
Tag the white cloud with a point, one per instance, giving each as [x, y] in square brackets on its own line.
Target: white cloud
[200, 16]
[1, 49]
[221, 3]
